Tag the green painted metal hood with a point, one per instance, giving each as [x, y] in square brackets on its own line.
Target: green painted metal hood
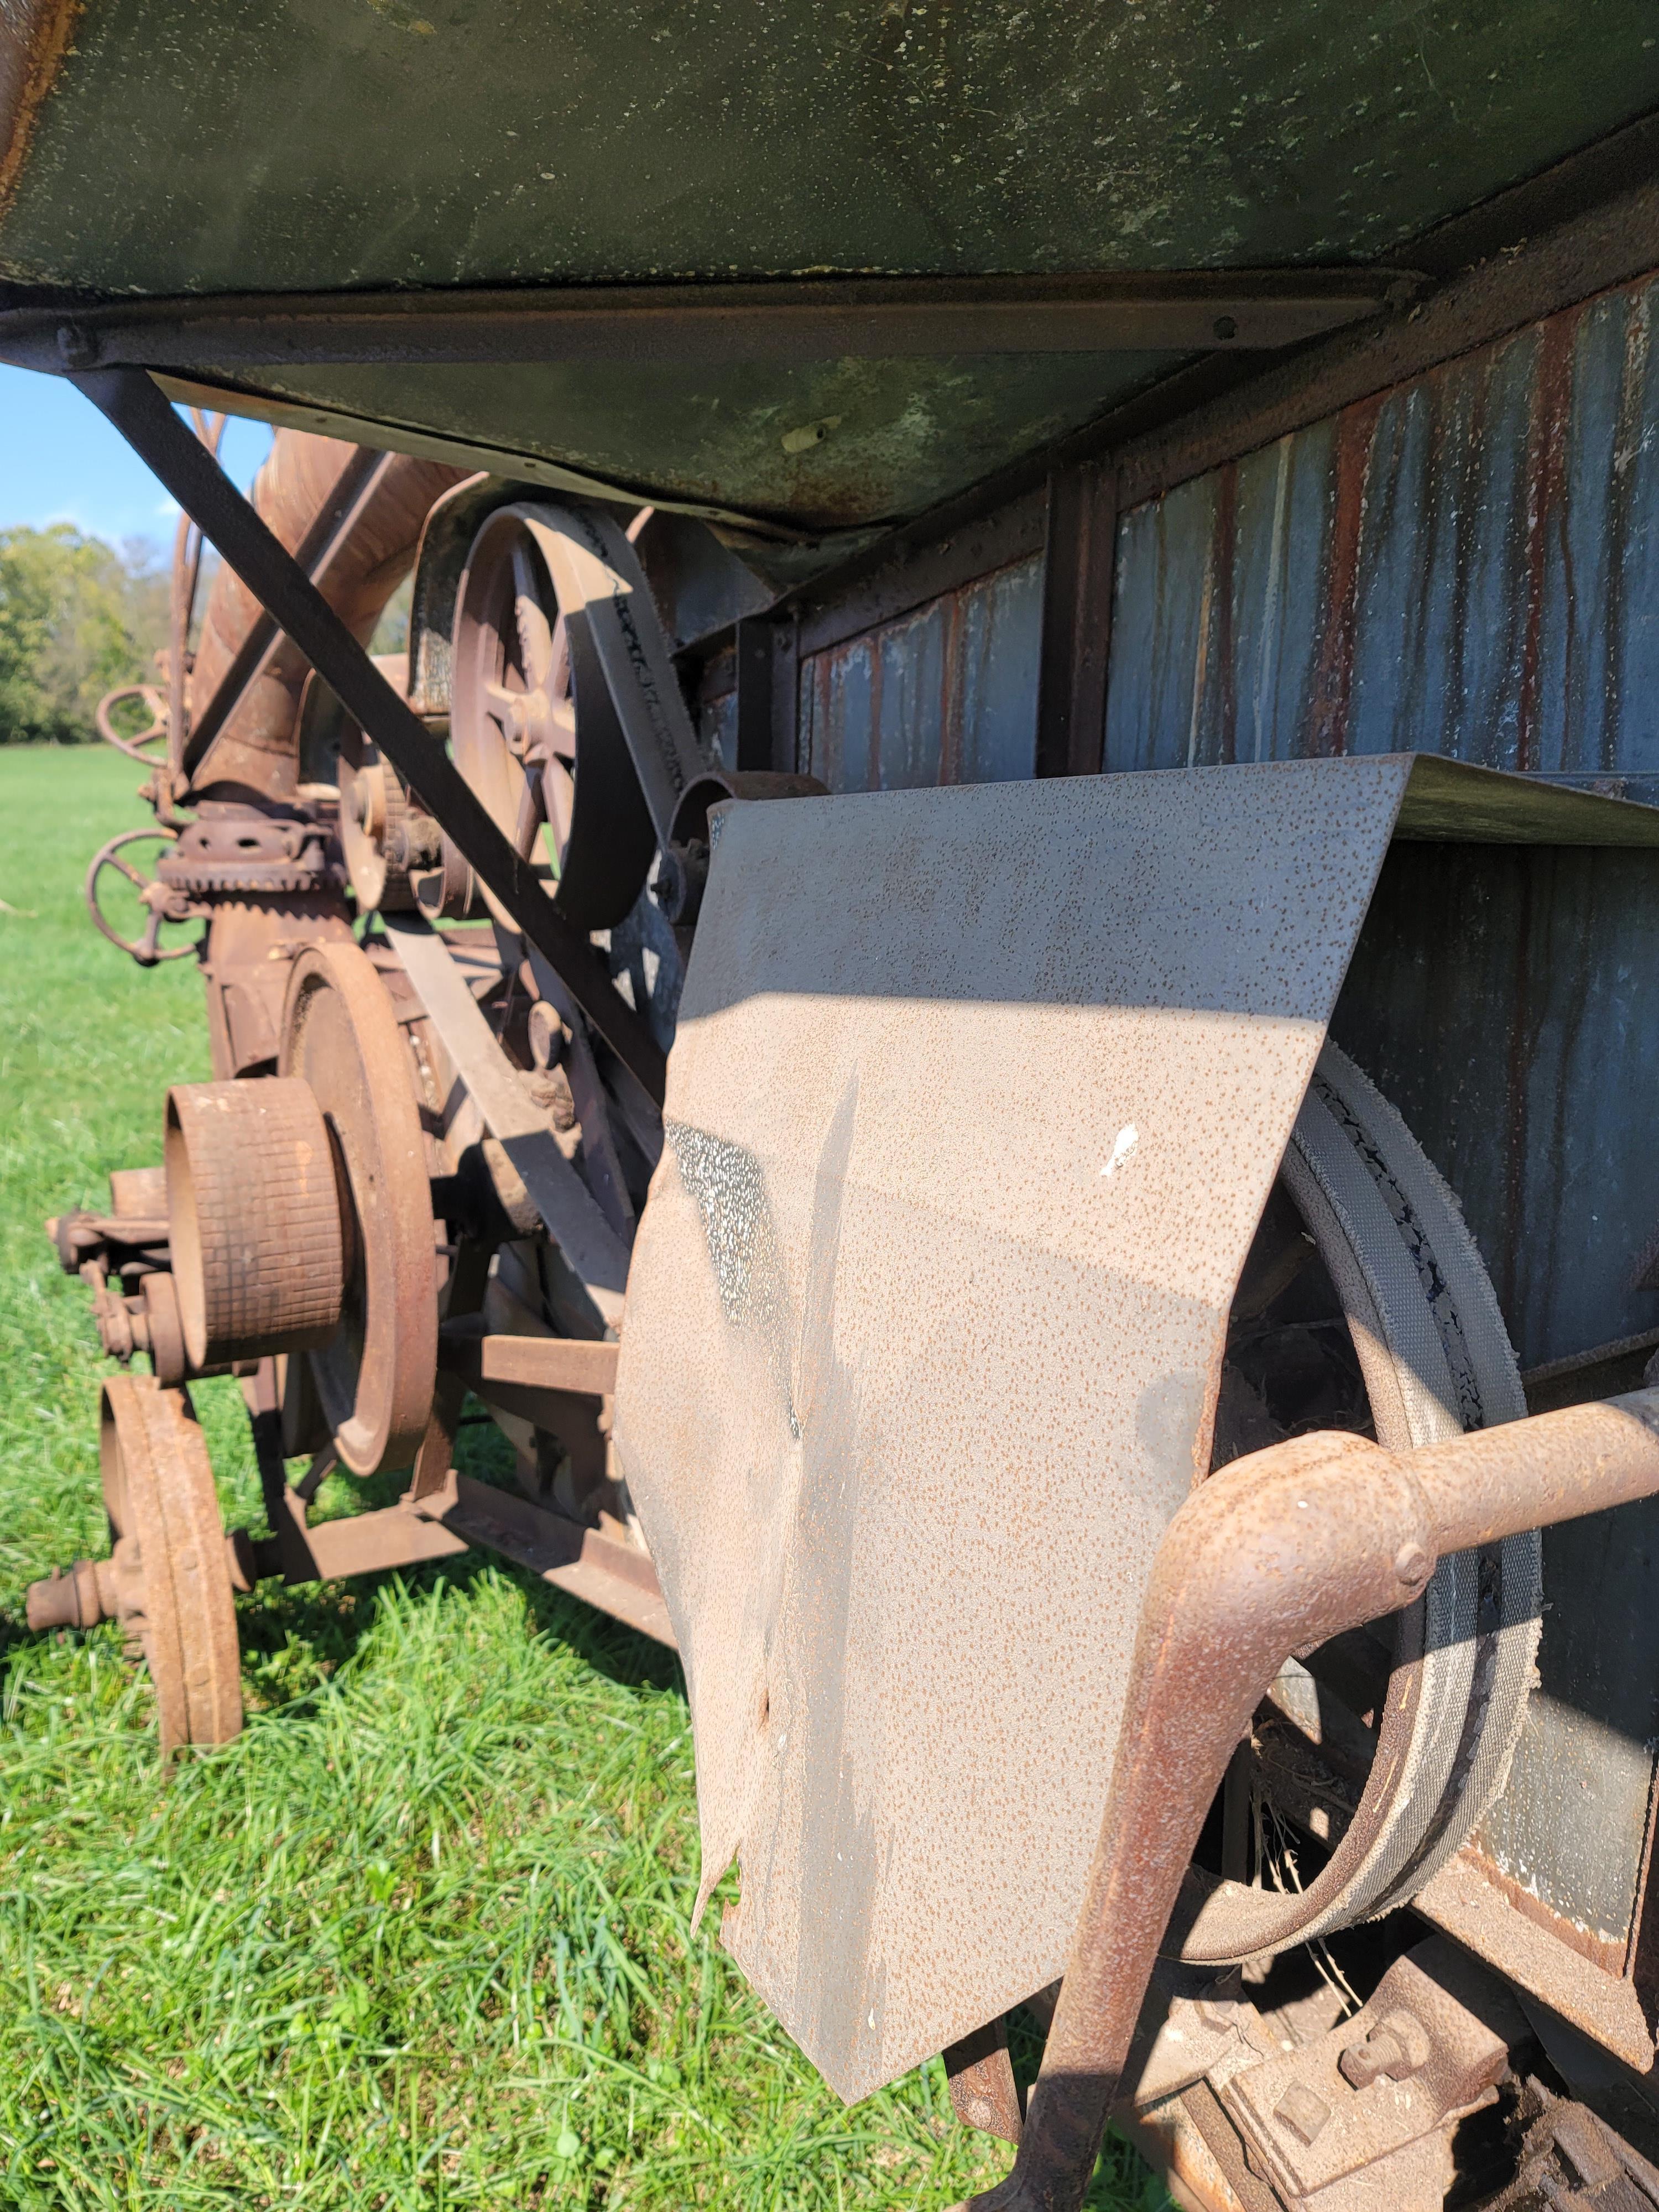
[163, 147]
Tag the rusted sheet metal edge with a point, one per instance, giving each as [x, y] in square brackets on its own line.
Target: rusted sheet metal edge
[824, 319]
[1479, 1882]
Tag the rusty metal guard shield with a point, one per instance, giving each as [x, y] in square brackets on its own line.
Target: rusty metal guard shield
[977, 1098]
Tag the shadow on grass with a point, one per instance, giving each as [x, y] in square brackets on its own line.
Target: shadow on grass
[320, 1624]
[295, 1638]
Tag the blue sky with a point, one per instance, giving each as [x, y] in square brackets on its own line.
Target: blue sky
[60, 461]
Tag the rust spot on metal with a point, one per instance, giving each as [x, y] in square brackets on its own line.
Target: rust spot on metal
[950, 693]
[1223, 555]
[1604, 1951]
[872, 780]
[1466, 549]
[1620, 525]
[1333, 684]
[33, 44]
[1549, 421]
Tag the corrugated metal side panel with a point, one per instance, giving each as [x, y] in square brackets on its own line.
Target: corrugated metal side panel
[946, 695]
[1467, 565]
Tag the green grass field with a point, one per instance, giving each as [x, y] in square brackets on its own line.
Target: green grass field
[421, 1935]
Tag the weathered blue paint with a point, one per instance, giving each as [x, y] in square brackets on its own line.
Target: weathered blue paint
[946, 695]
[1507, 998]
[1467, 566]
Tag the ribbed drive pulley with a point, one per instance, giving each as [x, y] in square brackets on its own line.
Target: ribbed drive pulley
[253, 1204]
[169, 1576]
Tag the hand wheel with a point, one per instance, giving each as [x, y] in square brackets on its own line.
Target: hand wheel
[155, 734]
[162, 904]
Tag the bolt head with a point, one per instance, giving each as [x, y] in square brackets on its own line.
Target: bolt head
[1301, 2113]
[1413, 1565]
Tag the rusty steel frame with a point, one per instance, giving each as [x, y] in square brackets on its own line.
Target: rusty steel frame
[1181, 311]
[1275, 1554]
[459, 1516]
[133, 404]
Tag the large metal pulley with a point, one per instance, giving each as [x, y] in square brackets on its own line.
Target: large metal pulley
[301, 1212]
[1364, 1305]
[376, 1370]
[566, 716]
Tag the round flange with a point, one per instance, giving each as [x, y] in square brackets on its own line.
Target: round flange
[376, 1374]
[253, 1211]
[171, 1573]
[1434, 1359]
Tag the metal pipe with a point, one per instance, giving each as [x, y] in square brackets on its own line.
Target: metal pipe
[351, 517]
[1273, 1555]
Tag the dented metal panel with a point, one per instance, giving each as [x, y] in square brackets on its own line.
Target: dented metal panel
[945, 694]
[1467, 565]
[976, 1099]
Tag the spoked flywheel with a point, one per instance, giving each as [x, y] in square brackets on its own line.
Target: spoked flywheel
[1365, 1306]
[553, 625]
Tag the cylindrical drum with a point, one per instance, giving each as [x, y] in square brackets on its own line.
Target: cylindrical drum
[253, 1209]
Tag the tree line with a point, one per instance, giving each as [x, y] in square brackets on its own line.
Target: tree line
[77, 617]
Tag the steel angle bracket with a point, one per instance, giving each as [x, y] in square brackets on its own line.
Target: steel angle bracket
[977, 1098]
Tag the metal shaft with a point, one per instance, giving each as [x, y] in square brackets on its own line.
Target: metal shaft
[1275, 1554]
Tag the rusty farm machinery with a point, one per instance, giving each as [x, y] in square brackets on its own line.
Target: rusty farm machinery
[986, 973]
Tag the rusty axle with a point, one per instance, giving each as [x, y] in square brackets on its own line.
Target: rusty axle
[1273, 1555]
